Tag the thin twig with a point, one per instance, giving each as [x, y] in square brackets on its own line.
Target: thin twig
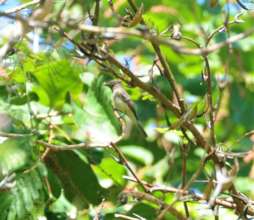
[210, 101]
[64, 147]
[14, 135]
[153, 199]
[222, 27]
[96, 13]
[184, 163]
[121, 216]
[198, 171]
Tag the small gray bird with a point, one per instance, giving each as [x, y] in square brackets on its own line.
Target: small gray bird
[122, 103]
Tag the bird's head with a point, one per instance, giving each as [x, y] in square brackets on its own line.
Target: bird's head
[113, 83]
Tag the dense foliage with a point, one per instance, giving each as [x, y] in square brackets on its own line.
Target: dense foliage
[67, 153]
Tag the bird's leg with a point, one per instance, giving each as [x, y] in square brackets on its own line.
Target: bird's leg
[120, 116]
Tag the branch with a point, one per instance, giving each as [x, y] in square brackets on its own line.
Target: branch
[96, 12]
[14, 135]
[155, 92]
[184, 153]
[196, 197]
[207, 71]
[222, 27]
[153, 199]
[167, 71]
[122, 31]
[137, 82]
[21, 7]
[64, 147]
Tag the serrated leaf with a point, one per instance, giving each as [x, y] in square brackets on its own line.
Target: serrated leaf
[5, 199]
[17, 203]
[20, 204]
[12, 212]
[57, 78]
[26, 195]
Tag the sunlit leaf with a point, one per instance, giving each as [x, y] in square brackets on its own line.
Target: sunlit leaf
[96, 121]
[14, 155]
[57, 78]
[108, 176]
[138, 153]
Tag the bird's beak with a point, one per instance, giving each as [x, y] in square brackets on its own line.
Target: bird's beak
[109, 84]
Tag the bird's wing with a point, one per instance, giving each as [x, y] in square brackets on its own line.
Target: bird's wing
[129, 102]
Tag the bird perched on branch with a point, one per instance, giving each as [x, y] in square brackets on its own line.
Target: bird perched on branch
[123, 104]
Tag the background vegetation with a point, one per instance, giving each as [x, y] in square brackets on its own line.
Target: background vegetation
[187, 65]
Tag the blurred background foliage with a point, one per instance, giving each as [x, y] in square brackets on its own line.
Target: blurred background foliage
[61, 98]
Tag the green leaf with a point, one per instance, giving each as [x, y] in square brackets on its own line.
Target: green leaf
[14, 155]
[162, 130]
[63, 207]
[158, 170]
[241, 106]
[108, 176]
[143, 210]
[138, 153]
[96, 122]
[57, 78]
[77, 177]
[18, 203]
[17, 116]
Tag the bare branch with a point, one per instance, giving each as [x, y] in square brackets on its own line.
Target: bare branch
[21, 7]
[122, 31]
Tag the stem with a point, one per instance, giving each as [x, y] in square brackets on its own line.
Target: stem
[204, 51]
[184, 160]
[210, 101]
